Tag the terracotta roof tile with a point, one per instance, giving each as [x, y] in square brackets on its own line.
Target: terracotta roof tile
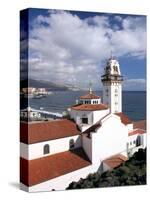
[90, 107]
[115, 161]
[124, 119]
[34, 132]
[90, 96]
[140, 124]
[43, 169]
[136, 131]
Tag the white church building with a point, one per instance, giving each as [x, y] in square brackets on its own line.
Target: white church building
[97, 136]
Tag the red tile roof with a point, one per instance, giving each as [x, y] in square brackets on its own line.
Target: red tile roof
[140, 124]
[90, 96]
[43, 169]
[124, 119]
[90, 107]
[136, 131]
[34, 132]
[115, 161]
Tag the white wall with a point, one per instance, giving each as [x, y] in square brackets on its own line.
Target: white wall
[78, 115]
[87, 146]
[118, 98]
[34, 151]
[144, 136]
[110, 139]
[91, 101]
[130, 127]
[132, 148]
[111, 98]
[97, 115]
[24, 153]
[133, 138]
[93, 116]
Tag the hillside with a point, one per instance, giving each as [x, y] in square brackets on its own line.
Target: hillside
[132, 172]
[42, 84]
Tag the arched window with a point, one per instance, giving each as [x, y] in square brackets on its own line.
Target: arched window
[138, 141]
[46, 149]
[71, 144]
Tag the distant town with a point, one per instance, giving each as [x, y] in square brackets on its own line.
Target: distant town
[32, 92]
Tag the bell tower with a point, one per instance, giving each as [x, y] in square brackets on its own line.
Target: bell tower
[112, 85]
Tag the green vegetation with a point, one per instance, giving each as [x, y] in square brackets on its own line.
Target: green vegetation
[132, 172]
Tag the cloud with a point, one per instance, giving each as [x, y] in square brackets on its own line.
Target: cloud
[66, 49]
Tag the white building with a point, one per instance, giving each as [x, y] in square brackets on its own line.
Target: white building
[29, 113]
[97, 137]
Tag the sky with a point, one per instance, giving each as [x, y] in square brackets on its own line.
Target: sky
[70, 47]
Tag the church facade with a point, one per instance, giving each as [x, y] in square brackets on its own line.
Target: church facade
[96, 136]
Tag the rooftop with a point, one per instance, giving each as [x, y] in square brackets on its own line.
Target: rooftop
[140, 124]
[124, 119]
[48, 130]
[90, 96]
[136, 131]
[49, 167]
[90, 107]
[115, 161]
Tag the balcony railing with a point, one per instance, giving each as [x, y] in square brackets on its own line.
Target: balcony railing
[111, 78]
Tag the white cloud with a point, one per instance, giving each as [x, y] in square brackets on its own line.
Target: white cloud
[66, 49]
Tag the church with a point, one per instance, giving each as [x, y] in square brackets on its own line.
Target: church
[95, 136]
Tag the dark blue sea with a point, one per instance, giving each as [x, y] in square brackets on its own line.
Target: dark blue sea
[134, 103]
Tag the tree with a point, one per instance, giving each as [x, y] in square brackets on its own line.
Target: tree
[132, 172]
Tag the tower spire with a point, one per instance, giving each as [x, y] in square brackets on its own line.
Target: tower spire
[112, 85]
[90, 87]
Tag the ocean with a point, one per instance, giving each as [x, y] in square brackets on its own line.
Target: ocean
[133, 102]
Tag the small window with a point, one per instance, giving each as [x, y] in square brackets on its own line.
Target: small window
[116, 69]
[84, 120]
[71, 144]
[138, 141]
[134, 142]
[130, 143]
[46, 149]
